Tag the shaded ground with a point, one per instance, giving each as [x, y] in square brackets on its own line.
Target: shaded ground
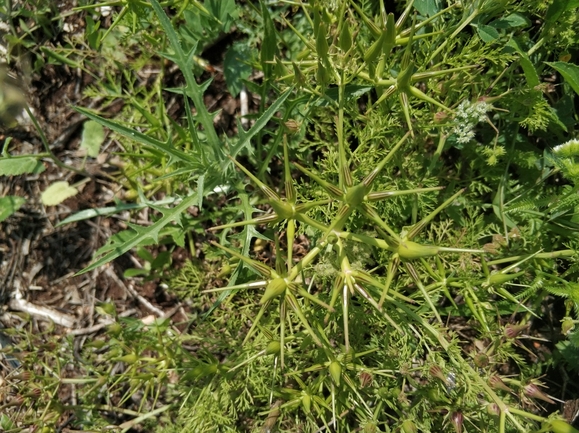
[38, 261]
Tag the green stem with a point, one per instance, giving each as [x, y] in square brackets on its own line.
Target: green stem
[47, 147]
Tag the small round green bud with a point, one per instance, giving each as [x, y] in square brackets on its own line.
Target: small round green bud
[273, 348]
[560, 426]
[307, 402]
[409, 427]
[408, 250]
[335, 372]
[275, 288]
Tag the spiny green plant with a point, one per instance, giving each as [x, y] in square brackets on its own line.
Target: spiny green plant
[381, 119]
[411, 264]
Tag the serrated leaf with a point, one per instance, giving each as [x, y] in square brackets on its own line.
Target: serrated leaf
[225, 11]
[93, 135]
[569, 71]
[110, 210]
[57, 193]
[166, 148]
[141, 235]
[194, 90]
[245, 137]
[528, 67]
[9, 205]
[16, 166]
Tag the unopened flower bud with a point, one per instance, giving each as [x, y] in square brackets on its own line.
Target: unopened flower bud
[560, 426]
[409, 427]
[130, 358]
[436, 371]
[17, 400]
[567, 325]
[34, 393]
[481, 360]
[335, 372]
[275, 288]
[365, 379]
[499, 240]
[273, 347]
[499, 278]
[24, 375]
[408, 250]
[114, 329]
[457, 419]
[497, 383]
[307, 402]
[493, 409]
[533, 391]
[441, 117]
[345, 38]
[292, 126]
[490, 248]
[512, 331]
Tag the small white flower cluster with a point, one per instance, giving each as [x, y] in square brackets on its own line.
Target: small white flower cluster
[468, 114]
[568, 149]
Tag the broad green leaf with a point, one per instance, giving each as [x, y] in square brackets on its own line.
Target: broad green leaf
[15, 166]
[510, 22]
[569, 71]
[427, 8]
[9, 205]
[93, 135]
[5, 423]
[57, 193]
[487, 33]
